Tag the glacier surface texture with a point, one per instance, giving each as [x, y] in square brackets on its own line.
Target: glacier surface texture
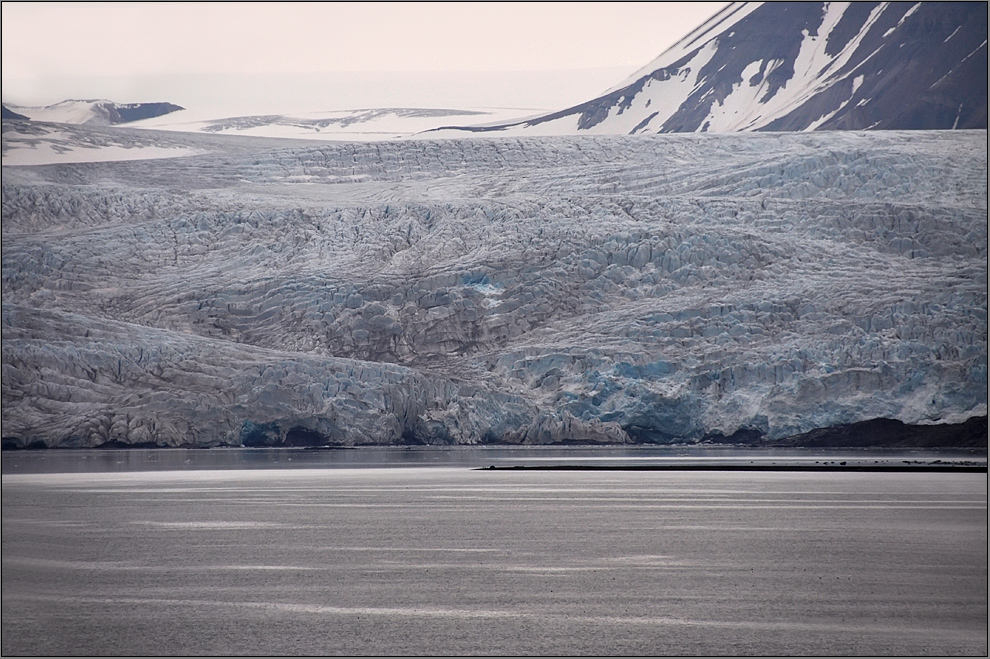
[612, 289]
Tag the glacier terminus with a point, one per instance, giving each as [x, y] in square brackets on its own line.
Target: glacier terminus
[522, 290]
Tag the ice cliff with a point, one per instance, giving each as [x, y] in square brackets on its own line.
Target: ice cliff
[610, 289]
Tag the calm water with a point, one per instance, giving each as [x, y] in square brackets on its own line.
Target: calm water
[443, 559]
[101, 460]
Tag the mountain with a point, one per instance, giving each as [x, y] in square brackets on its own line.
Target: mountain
[797, 66]
[92, 112]
[10, 114]
[367, 124]
[127, 112]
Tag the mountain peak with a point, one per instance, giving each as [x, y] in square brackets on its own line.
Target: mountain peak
[797, 66]
[98, 112]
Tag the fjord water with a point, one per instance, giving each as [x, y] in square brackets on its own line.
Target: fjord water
[449, 560]
[708, 456]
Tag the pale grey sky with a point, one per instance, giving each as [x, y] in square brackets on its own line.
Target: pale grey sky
[54, 50]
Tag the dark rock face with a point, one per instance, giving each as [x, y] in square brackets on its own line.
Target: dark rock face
[113, 114]
[304, 437]
[794, 66]
[930, 72]
[128, 112]
[891, 433]
[10, 114]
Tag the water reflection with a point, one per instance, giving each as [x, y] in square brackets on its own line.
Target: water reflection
[123, 460]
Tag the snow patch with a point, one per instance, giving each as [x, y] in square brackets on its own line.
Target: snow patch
[702, 36]
[53, 150]
[907, 14]
[374, 124]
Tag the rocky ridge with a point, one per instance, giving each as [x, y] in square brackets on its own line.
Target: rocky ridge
[91, 112]
[798, 66]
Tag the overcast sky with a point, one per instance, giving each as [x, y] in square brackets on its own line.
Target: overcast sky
[54, 50]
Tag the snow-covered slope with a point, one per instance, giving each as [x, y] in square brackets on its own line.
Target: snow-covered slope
[42, 143]
[800, 66]
[93, 112]
[610, 289]
[370, 124]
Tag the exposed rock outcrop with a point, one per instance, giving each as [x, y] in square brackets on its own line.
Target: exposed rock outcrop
[785, 66]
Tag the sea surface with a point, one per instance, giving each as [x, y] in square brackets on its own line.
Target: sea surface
[713, 456]
[394, 551]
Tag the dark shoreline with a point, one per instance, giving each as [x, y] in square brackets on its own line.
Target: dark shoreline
[541, 459]
[967, 468]
[874, 434]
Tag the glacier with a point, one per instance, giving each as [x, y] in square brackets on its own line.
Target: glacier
[533, 290]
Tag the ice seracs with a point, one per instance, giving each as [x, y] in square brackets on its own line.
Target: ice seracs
[651, 288]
